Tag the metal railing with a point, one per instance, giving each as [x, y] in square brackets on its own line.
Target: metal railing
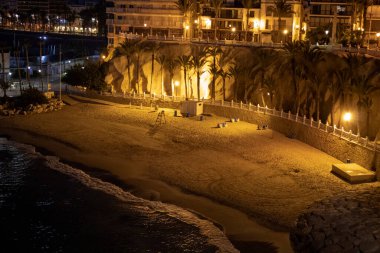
[326, 128]
[334, 130]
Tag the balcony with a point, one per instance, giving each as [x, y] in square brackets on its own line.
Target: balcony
[144, 11]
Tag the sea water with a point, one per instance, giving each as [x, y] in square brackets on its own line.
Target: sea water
[48, 206]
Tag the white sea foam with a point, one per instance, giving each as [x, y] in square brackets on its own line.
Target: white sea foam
[214, 235]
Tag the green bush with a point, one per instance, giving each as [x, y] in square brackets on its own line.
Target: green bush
[90, 75]
[31, 96]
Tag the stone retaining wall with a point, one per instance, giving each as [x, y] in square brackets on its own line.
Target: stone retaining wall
[328, 143]
[169, 103]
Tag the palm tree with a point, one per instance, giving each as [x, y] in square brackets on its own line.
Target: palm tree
[72, 16]
[171, 65]
[224, 74]
[3, 83]
[335, 88]
[311, 57]
[198, 60]
[247, 4]
[235, 71]
[270, 86]
[126, 49]
[249, 73]
[364, 87]
[185, 62]
[41, 43]
[153, 48]
[187, 7]
[265, 58]
[292, 55]
[26, 48]
[17, 54]
[86, 16]
[281, 9]
[214, 52]
[161, 59]
[139, 49]
[217, 4]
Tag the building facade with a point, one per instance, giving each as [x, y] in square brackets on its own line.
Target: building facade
[131, 17]
[51, 7]
[331, 19]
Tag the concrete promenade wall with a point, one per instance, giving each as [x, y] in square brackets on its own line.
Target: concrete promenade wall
[326, 142]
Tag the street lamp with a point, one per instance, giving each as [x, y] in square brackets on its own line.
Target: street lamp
[377, 37]
[347, 116]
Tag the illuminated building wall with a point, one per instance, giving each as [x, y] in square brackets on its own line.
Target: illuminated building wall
[156, 18]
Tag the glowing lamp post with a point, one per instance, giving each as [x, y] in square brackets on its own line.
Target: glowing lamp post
[347, 117]
[285, 32]
[377, 39]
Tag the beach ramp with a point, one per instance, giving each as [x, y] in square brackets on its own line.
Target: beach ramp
[353, 173]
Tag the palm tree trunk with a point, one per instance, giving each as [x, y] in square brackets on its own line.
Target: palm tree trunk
[224, 88]
[129, 73]
[3, 73]
[42, 82]
[27, 66]
[246, 26]
[151, 74]
[198, 85]
[138, 74]
[185, 77]
[358, 119]
[18, 68]
[3, 65]
[279, 27]
[171, 82]
[332, 108]
[213, 80]
[318, 104]
[261, 88]
[236, 88]
[367, 121]
[162, 83]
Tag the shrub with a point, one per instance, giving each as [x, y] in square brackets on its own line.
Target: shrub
[31, 96]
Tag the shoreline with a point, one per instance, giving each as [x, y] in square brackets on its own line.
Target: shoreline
[55, 206]
[224, 170]
[104, 175]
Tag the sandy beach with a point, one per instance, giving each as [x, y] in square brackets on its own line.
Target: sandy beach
[235, 176]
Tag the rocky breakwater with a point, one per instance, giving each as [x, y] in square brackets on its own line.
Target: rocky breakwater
[52, 105]
[346, 223]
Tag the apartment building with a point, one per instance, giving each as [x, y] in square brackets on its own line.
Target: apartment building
[235, 21]
[51, 7]
[156, 17]
[334, 16]
[258, 24]
[373, 23]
